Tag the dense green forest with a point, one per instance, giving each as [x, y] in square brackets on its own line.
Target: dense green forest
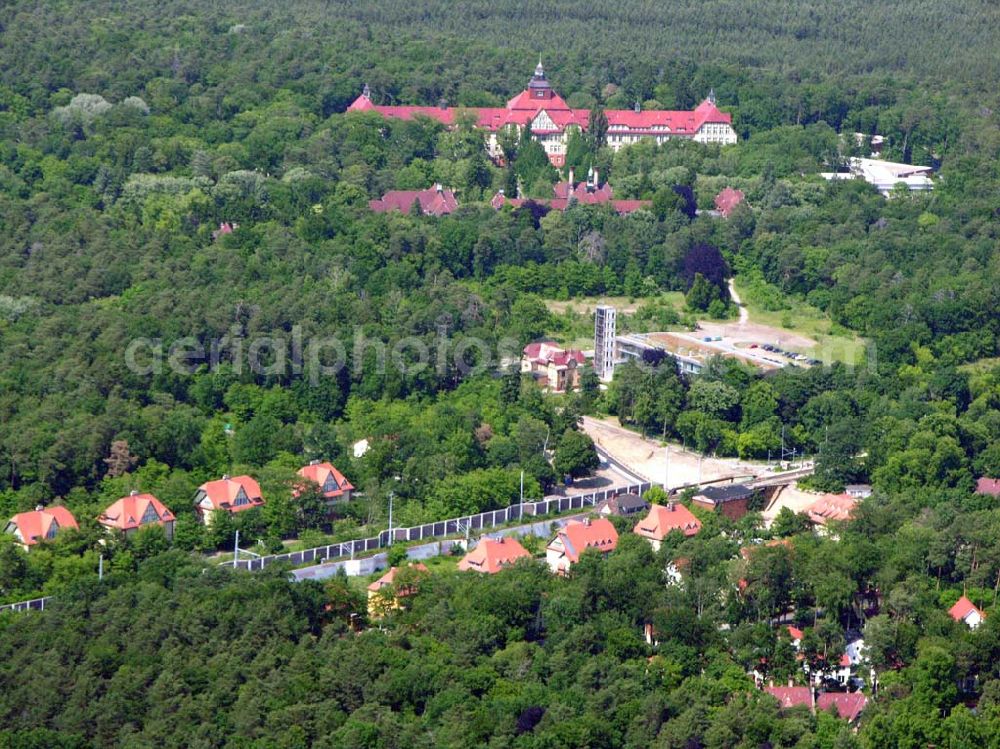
[129, 131]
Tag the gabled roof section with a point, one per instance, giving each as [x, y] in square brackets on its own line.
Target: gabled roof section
[789, 697]
[839, 507]
[661, 520]
[578, 536]
[321, 473]
[434, 201]
[389, 578]
[963, 608]
[848, 705]
[493, 554]
[128, 512]
[37, 525]
[223, 493]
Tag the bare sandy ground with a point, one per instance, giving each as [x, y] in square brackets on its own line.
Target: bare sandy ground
[790, 496]
[750, 332]
[649, 458]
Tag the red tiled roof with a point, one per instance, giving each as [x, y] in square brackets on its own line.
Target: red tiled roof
[390, 577]
[128, 512]
[522, 109]
[832, 507]
[848, 705]
[578, 536]
[433, 201]
[727, 200]
[320, 473]
[789, 697]
[795, 632]
[492, 555]
[223, 493]
[989, 486]
[546, 352]
[661, 520]
[36, 525]
[962, 608]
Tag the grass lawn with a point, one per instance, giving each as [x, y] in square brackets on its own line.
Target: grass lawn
[574, 317]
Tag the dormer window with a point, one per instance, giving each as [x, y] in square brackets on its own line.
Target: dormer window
[241, 498]
[330, 485]
[149, 516]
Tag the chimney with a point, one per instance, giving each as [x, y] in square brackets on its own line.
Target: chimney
[225, 477]
[39, 508]
[572, 183]
[439, 187]
[133, 493]
[671, 506]
[597, 178]
[314, 462]
[500, 540]
[586, 521]
[638, 108]
[442, 103]
[791, 682]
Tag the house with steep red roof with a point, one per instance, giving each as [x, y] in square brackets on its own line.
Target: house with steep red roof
[130, 513]
[385, 594]
[576, 537]
[727, 200]
[540, 111]
[493, 554]
[41, 524]
[663, 520]
[331, 482]
[966, 611]
[556, 368]
[434, 201]
[988, 486]
[228, 494]
[791, 696]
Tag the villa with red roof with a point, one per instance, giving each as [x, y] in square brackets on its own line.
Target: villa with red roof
[557, 368]
[576, 537]
[663, 519]
[550, 120]
[966, 611]
[493, 554]
[228, 494]
[42, 524]
[434, 201]
[331, 482]
[130, 513]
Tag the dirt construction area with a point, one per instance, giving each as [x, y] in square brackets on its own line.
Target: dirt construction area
[648, 458]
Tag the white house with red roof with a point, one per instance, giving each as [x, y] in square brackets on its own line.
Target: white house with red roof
[41, 524]
[385, 593]
[493, 554]
[130, 513]
[966, 611]
[557, 368]
[846, 705]
[333, 484]
[576, 537]
[228, 494]
[434, 201]
[664, 519]
[550, 120]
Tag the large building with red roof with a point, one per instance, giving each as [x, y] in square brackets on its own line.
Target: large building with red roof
[551, 120]
[556, 368]
[40, 525]
[130, 513]
[228, 494]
